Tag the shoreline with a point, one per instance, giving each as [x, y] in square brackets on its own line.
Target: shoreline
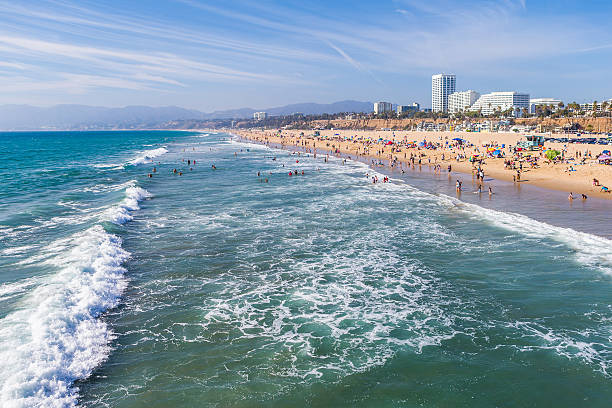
[550, 177]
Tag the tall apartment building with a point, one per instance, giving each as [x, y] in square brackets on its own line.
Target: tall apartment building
[442, 85]
[380, 107]
[461, 101]
[260, 115]
[501, 101]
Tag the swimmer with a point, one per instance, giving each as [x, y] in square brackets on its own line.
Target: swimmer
[214, 167]
[174, 171]
[584, 196]
[154, 169]
[150, 175]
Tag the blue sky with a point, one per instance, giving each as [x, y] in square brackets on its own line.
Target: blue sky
[212, 55]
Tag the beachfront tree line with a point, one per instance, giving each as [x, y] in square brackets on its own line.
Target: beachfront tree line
[561, 110]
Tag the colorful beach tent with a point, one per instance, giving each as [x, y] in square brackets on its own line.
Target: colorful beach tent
[551, 154]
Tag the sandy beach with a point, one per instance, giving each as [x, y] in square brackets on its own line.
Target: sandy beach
[574, 174]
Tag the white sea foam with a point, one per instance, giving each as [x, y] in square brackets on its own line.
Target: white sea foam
[56, 338]
[112, 166]
[590, 250]
[123, 212]
[147, 156]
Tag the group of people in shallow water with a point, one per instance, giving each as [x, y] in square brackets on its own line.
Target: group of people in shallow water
[437, 169]
[571, 196]
[375, 178]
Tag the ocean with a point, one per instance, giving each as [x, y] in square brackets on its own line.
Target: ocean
[214, 288]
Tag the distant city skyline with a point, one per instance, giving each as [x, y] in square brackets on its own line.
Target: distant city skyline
[212, 56]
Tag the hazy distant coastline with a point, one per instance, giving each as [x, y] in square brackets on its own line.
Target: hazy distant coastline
[83, 117]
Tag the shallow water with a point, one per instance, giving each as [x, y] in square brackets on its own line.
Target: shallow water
[215, 288]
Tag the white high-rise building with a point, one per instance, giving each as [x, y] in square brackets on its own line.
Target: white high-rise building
[380, 107]
[442, 85]
[501, 101]
[461, 101]
[260, 115]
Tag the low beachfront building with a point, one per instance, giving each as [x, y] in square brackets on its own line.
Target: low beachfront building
[461, 101]
[415, 107]
[534, 102]
[493, 102]
[600, 105]
[381, 107]
[260, 115]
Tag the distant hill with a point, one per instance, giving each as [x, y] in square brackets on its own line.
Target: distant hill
[305, 108]
[26, 117]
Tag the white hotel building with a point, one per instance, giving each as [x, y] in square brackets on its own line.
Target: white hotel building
[501, 101]
[381, 107]
[442, 85]
[461, 101]
[543, 102]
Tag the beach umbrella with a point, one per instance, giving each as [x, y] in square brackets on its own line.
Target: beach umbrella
[604, 157]
[551, 154]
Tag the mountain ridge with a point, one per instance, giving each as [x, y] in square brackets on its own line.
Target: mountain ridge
[83, 117]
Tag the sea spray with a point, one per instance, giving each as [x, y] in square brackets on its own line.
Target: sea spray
[122, 213]
[56, 338]
[147, 156]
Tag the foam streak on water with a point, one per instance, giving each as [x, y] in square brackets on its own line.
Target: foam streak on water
[147, 156]
[56, 337]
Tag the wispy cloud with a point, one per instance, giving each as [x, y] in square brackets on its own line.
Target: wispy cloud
[273, 47]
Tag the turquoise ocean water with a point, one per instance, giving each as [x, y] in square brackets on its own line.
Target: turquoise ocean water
[214, 288]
